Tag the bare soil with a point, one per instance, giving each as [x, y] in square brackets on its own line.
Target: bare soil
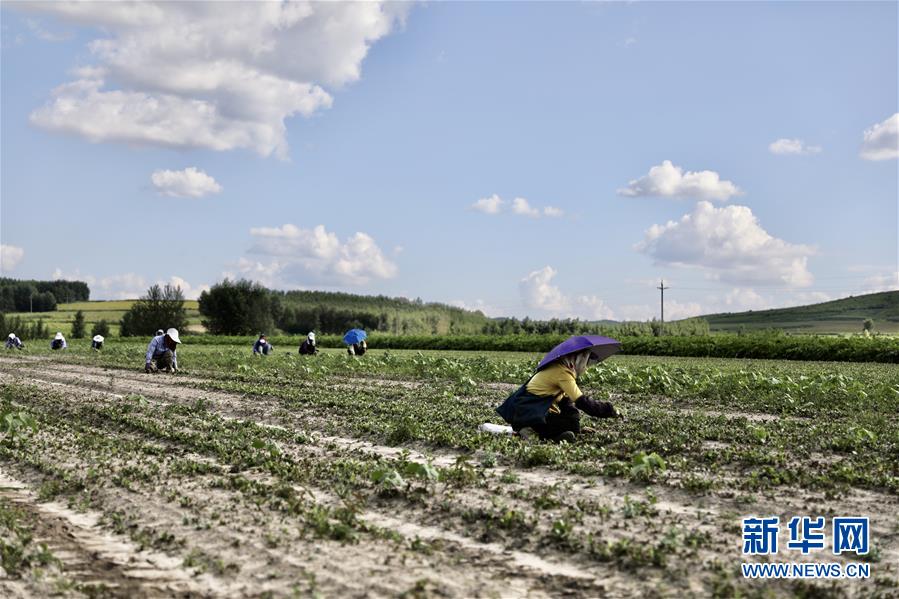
[220, 544]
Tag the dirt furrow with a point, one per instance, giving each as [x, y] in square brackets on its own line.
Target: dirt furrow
[497, 569]
[91, 556]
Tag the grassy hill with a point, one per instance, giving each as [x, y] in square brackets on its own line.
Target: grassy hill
[111, 311]
[839, 316]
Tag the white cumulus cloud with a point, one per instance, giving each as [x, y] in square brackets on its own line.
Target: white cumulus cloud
[674, 310]
[489, 205]
[740, 299]
[881, 140]
[792, 146]
[127, 285]
[553, 212]
[48, 36]
[10, 256]
[478, 305]
[668, 180]
[730, 243]
[187, 183]
[539, 293]
[520, 206]
[216, 75]
[888, 281]
[291, 256]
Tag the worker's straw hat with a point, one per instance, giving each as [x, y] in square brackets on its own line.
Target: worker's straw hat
[12, 335]
[58, 335]
[173, 334]
[311, 336]
[98, 338]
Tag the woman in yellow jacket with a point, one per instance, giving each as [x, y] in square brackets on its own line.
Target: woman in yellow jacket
[549, 405]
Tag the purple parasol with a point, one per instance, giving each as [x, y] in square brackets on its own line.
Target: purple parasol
[603, 347]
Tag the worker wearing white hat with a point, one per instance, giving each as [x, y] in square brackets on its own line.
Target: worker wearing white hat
[308, 346]
[13, 342]
[59, 342]
[97, 342]
[162, 352]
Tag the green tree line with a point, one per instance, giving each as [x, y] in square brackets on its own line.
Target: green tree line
[244, 308]
[17, 295]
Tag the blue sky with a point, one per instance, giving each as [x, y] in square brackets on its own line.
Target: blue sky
[746, 152]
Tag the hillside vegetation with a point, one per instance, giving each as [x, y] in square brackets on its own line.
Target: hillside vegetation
[334, 312]
[839, 316]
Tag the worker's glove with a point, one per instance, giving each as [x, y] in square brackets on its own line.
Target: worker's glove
[597, 409]
[148, 368]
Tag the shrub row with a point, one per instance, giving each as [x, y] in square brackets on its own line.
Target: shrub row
[760, 346]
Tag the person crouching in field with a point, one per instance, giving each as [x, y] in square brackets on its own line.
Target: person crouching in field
[13, 342]
[357, 349]
[97, 342]
[308, 347]
[549, 405]
[162, 352]
[262, 346]
[58, 342]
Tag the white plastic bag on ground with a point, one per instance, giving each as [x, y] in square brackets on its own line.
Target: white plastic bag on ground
[496, 429]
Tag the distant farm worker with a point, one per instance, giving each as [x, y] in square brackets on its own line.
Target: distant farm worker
[159, 332]
[13, 342]
[308, 347]
[549, 405]
[262, 346]
[355, 341]
[58, 342]
[162, 352]
[97, 342]
[357, 349]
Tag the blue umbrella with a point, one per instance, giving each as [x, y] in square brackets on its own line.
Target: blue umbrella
[354, 336]
[601, 348]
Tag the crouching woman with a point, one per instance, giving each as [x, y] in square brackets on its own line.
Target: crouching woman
[549, 405]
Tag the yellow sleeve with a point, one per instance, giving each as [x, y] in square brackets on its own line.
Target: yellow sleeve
[568, 384]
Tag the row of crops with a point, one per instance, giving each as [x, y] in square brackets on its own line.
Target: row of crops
[753, 346]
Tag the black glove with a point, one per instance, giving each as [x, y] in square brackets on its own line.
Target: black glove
[597, 409]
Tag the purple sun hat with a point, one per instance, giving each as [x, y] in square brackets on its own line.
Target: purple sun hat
[601, 348]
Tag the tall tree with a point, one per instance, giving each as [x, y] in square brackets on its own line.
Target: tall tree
[101, 327]
[78, 325]
[239, 308]
[160, 308]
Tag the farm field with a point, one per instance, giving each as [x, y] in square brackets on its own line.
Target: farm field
[293, 475]
[95, 311]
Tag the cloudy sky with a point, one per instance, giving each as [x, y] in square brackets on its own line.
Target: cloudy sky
[522, 158]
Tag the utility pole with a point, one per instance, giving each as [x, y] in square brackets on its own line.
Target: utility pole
[662, 289]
